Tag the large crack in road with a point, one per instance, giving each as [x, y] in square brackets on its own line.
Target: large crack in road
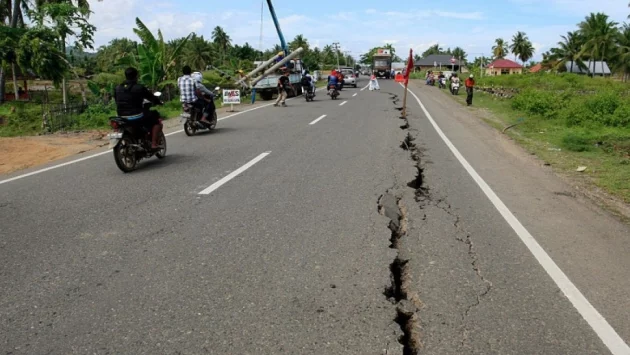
[405, 289]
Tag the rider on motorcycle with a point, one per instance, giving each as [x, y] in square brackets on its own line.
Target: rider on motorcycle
[201, 91]
[130, 96]
[308, 79]
[187, 91]
[332, 79]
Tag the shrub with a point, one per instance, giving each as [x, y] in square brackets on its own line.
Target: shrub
[578, 141]
[621, 116]
[537, 103]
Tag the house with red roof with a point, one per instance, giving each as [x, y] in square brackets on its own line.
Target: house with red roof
[504, 67]
[536, 68]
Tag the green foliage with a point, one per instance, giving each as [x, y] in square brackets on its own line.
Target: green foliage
[537, 102]
[578, 141]
[96, 116]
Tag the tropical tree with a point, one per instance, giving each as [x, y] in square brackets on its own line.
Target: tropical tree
[623, 56]
[154, 58]
[221, 39]
[568, 50]
[599, 34]
[434, 49]
[518, 42]
[299, 41]
[108, 55]
[459, 53]
[500, 48]
[198, 52]
[67, 21]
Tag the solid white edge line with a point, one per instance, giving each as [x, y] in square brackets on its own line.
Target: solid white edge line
[108, 150]
[598, 323]
[343, 103]
[317, 120]
[355, 94]
[233, 174]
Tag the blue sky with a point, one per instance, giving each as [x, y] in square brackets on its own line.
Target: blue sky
[359, 25]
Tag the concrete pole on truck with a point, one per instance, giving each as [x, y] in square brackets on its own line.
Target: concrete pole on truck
[278, 65]
[258, 69]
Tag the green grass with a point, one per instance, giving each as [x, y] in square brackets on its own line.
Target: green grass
[605, 151]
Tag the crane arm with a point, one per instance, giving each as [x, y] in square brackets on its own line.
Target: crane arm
[283, 44]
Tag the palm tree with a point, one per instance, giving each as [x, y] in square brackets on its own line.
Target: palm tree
[434, 49]
[623, 56]
[599, 34]
[299, 41]
[198, 52]
[568, 50]
[221, 38]
[526, 51]
[500, 49]
[518, 43]
[328, 54]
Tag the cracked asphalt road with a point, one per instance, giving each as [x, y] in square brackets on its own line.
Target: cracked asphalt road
[294, 255]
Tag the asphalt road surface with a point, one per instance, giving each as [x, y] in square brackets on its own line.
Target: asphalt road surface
[327, 227]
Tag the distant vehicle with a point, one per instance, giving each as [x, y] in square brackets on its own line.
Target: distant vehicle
[382, 63]
[349, 76]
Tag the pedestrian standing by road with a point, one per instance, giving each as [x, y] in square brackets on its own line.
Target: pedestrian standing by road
[374, 83]
[283, 86]
[470, 84]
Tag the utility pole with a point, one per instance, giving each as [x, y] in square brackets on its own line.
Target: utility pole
[336, 48]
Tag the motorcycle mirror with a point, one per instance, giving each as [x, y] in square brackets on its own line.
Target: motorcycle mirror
[157, 94]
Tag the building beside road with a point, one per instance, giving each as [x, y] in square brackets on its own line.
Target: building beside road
[439, 61]
[600, 68]
[504, 67]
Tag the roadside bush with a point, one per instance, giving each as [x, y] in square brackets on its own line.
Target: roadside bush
[96, 116]
[537, 102]
[578, 141]
[621, 116]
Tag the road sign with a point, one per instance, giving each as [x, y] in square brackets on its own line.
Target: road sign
[231, 97]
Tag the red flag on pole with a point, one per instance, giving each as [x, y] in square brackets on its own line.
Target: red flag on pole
[409, 67]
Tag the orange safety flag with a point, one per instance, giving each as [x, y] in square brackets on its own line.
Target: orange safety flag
[409, 66]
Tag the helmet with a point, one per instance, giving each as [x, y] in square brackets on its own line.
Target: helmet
[197, 76]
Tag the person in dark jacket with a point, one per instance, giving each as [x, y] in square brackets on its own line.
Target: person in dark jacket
[130, 96]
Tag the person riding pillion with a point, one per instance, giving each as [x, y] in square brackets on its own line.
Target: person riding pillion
[130, 96]
[307, 81]
[204, 96]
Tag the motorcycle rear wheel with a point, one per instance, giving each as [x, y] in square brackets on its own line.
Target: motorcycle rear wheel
[161, 154]
[189, 129]
[214, 121]
[124, 155]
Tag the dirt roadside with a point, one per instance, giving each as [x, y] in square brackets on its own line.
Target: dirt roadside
[17, 153]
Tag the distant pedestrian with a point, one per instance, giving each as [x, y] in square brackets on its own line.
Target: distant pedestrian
[470, 85]
[373, 83]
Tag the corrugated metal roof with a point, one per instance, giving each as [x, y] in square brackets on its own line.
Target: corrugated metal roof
[600, 68]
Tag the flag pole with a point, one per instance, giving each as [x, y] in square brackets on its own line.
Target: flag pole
[409, 65]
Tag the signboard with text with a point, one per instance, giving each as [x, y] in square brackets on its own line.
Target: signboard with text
[231, 97]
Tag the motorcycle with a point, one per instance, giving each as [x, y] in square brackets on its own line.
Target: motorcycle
[309, 93]
[455, 88]
[191, 116]
[131, 142]
[332, 91]
[442, 83]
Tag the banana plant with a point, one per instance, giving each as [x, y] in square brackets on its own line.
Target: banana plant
[154, 58]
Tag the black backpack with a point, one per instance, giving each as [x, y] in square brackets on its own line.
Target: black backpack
[306, 81]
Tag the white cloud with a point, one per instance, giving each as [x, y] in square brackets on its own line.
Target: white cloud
[461, 15]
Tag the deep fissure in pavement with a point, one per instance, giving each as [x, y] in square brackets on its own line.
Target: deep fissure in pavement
[398, 291]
